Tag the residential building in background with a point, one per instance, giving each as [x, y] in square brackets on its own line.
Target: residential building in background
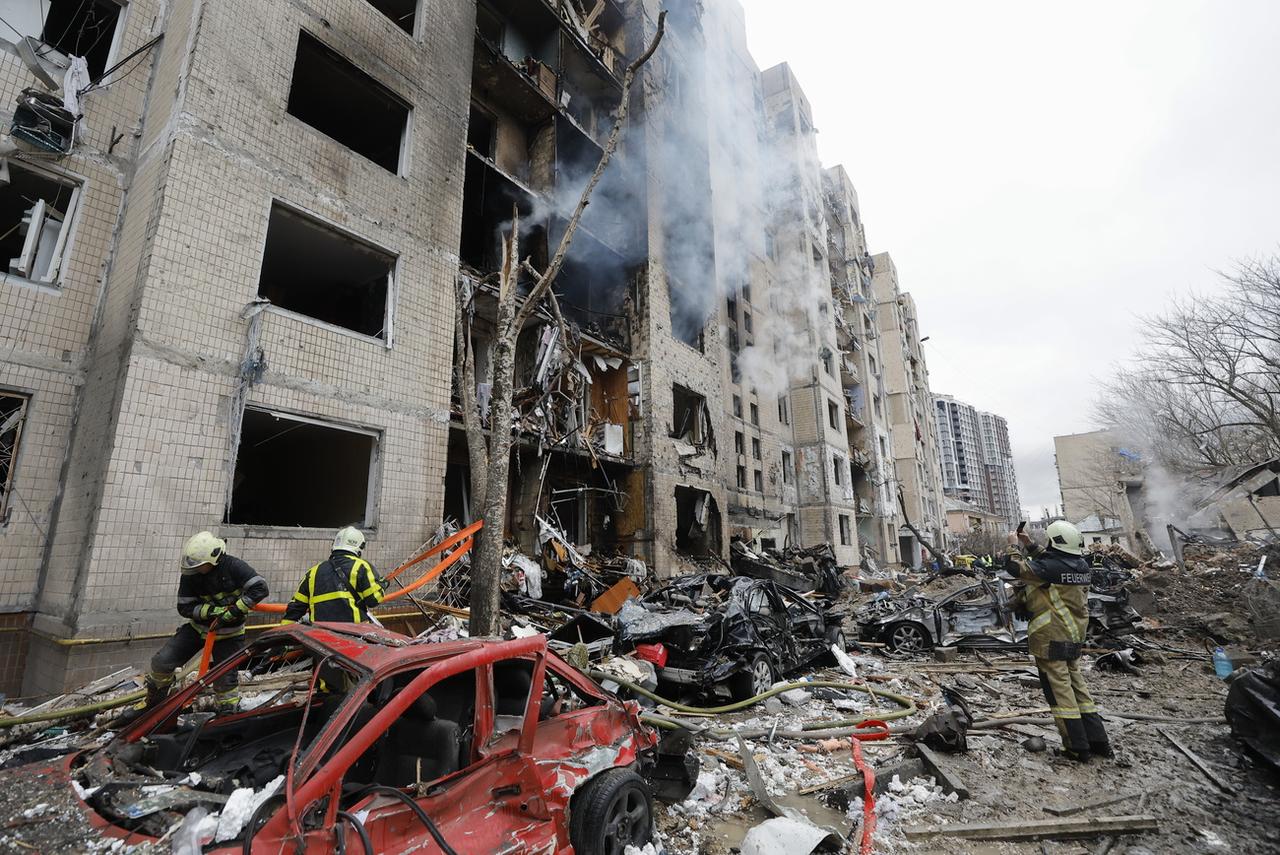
[1101, 486]
[861, 371]
[976, 459]
[910, 407]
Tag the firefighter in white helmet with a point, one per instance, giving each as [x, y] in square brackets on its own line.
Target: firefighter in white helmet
[216, 593]
[342, 588]
[1053, 585]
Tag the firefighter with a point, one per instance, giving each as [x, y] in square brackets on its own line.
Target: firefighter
[216, 593]
[342, 588]
[1053, 588]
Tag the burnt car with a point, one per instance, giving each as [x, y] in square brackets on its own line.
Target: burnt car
[727, 635]
[974, 616]
[370, 741]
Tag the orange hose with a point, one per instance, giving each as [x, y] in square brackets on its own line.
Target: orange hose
[454, 540]
[206, 655]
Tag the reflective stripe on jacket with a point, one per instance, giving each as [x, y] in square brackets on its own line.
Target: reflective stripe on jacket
[1055, 589]
[341, 589]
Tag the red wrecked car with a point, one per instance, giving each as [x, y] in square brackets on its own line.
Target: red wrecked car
[368, 741]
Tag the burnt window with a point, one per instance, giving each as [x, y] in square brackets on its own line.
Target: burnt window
[284, 472]
[13, 413]
[746, 294]
[84, 28]
[346, 104]
[37, 210]
[786, 467]
[755, 447]
[315, 270]
[737, 406]
[755, 414]
[689, 418]
[759, 481]
[784, 410]
[481, 132]
[742, 477]
[401, 12]
[846, 534]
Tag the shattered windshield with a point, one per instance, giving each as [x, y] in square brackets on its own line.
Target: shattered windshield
[228, 763]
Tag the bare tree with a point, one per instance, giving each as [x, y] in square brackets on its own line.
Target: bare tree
[1204, 391]
[490, 461]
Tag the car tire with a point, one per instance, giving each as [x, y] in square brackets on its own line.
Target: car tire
[758, 673]
[612, 811]
[835, 636]
[907, 636]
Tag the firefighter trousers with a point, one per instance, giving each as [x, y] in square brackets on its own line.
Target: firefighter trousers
[1072, 707]
[186, 643]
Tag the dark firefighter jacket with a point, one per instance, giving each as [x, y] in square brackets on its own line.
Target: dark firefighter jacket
[1055, 590]
[232, 584]
[341, 589]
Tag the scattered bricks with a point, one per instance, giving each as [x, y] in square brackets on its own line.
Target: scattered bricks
[946, 654]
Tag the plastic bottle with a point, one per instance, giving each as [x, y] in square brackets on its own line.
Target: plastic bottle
[1221, 663]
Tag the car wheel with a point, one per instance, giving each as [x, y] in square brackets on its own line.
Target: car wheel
[613, 810]
[757, 678]
[907, 637]
[835, 638]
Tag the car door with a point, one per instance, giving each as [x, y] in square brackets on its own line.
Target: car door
[806, 626]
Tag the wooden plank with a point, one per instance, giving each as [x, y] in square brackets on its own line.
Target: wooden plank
[1070, 810]
[944, 776]
[724, 756]
[1037, 829]
[833, 783]
[1199, 764]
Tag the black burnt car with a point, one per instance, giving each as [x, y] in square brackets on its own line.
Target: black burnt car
[978, 616]
[728, 635]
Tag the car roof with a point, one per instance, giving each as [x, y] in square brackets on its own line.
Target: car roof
[374, 648]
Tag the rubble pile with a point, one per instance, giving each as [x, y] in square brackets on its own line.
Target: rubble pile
[1222, 591]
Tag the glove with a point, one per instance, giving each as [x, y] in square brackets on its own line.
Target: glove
[222, 615]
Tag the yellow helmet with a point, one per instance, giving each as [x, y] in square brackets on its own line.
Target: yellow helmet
[1065, 537]
[349, 539]
[202, 548]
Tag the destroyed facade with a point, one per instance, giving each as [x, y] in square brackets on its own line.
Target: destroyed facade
[230, 302]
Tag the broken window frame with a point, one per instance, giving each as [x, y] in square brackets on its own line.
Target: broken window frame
[323, 223]
[846, 534]
[12, 422]
[786, 467]
[833, 414]
[64, 243]
[37, 38]
[369, 523]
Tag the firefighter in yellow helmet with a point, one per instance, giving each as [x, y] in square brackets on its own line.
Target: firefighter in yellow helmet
[342, 588]
[216, 593]
[1053, 586]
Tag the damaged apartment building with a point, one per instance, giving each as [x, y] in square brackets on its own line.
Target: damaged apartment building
[235, 234]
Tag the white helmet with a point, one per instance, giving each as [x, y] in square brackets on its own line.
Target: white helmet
[349, 539]
[202, 548]
[1065, 537]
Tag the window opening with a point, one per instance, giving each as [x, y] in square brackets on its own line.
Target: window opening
[342, 102]
[315, 270]
[36, 213]
[13, 414]
[401, 12]
[277, 481]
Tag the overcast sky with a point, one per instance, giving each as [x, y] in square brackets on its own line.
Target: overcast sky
[1043, 174]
